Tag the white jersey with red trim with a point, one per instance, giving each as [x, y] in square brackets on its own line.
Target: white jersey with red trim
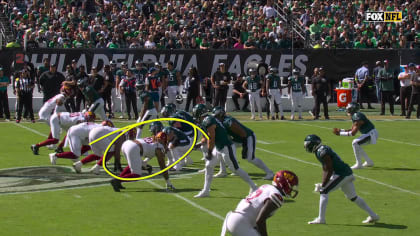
[68, 119]
[253, 203]
[51, 107]
[149, 147]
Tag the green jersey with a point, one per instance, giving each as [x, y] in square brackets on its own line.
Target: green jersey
[221, 140]
[172, 79]
[149, 105]
[367, 124]
[186, 128]
[296, 83]
[274, 81]
[90, 94]
[228, 122]
[254, 83]
[339, 167]
[120, 73]
[179, 139]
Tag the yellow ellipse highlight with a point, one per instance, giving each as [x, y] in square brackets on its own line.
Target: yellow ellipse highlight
[127, 128]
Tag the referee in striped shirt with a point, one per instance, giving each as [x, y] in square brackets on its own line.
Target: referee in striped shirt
[24, 86]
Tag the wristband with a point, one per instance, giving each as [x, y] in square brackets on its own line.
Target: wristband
[342, 130]
[343, 133]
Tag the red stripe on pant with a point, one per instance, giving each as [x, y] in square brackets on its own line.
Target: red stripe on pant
[108, 156]
[62, 142]
[47, 142]
[71, 155]
[90, 158]
[126, 173]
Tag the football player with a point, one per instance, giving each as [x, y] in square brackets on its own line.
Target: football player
[93, 98]
[134, 150]
[218, 145]
[252, 212]
[99, 148]
[274, 88]
[178, 145]
[336, 174]
[369, 135]
[50, 107]
[296, 89]
[63, 120]
[148, 112]
[252, 85]
[244, 136]
[78, 140]
[174, 82]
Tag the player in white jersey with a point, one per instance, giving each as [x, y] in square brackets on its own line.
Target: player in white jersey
[249, 217]
[135, 150]
[58, 121]
[99, 148]
[78, 140]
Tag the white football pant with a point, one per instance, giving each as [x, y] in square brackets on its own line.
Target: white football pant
[364, 139]
[275, 98]
[254, 99]
[297, 99]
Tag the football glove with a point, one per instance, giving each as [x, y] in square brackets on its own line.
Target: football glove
[318, 187]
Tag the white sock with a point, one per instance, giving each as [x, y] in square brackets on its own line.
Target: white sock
[222, 166]
[246, 178]
[323, 201]
[208, 177]
[368, 160]
[260, 164]
[357, 154]
[138, 136]
[363, 205]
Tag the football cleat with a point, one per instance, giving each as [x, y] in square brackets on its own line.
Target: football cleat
[356, 166]
[53, 158]
[35, 149]
[252, 117]
[188, 161]
[365, 164]
[115, 183]
[149, 169]
[269, 176]
[371, 219]
[95, 169]
[221, 174]
[170, 188]
[202, 194]
[78, 166]
[59, 150]
[316, 221]
[292, 117]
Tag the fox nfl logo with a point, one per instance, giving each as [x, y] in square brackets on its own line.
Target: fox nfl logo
[383, 16]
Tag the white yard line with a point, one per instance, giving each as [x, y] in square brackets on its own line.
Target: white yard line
[384, 139]
[189, 201]
[262, 142]
[30, 129]
[359, 176]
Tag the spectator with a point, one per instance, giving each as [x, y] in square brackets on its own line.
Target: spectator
[238, 45]
[405, 90]
[4, 99]
[50, 82]
[386, 77]
[109, 84]
[208, 91]
[41, 69]
[193, 87]
[220, 82]
[239, 92]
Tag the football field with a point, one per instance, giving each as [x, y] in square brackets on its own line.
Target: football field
[39, 199]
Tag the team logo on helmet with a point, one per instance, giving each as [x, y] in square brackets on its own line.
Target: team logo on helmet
[311, 143]
[352, 108]
[179, 99]
[107, 123]
[161, 137]
[89, 116]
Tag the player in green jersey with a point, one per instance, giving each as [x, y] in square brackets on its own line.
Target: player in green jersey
[253, 85]
[296, 89]
[174, 82]
[274, 91]
[218, 146]
[93, 98]
[336, 174]
[369, 135]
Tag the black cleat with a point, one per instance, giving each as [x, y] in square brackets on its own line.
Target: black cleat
[59, 150]
[282, 118]
[116, 185]
[149, 169]
[35, 149]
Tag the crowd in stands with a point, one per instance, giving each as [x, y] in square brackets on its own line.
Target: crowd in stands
[219, 24]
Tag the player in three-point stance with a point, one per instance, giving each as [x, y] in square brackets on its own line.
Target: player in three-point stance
[218, 146]
[336, 174]
[241, 135]
[369, 135]
[135, 150]
[252, 212]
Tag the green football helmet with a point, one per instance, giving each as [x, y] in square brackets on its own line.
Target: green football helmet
[352, 108]
[167, 130]
[167, 111]
[311, 143]
[218, 112]
[155, 127]
[172, 105]
[198, 111]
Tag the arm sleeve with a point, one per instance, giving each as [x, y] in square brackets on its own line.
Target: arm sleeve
[276, 199]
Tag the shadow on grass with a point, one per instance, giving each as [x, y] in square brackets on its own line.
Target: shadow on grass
[378, 225]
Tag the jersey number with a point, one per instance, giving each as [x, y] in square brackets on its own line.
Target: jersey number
[254, 195]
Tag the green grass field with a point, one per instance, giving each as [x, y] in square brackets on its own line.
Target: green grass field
[391, 188]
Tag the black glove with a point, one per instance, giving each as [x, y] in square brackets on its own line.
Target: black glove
[209, 156]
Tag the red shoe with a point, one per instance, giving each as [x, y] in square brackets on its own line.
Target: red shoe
[18, 121]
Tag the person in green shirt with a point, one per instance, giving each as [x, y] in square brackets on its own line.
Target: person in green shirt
[296, 89]
[336, 174]
[241, 135]
[4, 99]
[386, 82]
[274, 91]
[218, 144]
[173, 82]
[367, 129]
[93, 98]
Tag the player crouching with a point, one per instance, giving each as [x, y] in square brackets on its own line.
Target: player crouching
[135, 150]
[252, 212]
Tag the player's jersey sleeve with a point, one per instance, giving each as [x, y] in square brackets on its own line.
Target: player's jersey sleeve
[208, 121]
[276, 198]
[357, 117]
